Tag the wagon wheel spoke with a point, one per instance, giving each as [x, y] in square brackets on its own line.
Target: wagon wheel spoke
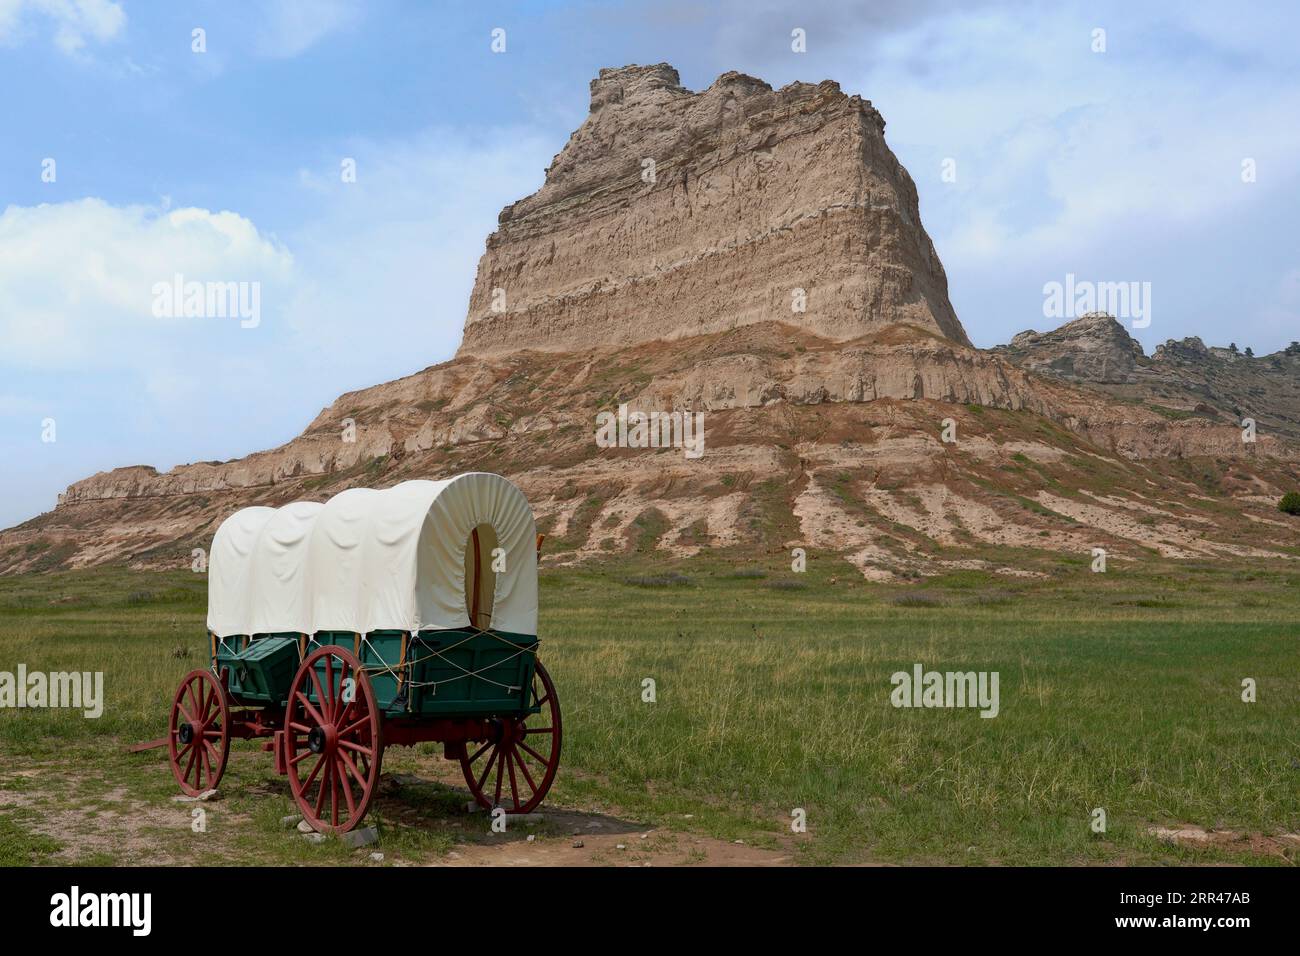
[532, 785]
[347, 732]
[320, 693]
[347, 763]
[320, 797]
[347, 796]
[214, 712]
[478, 753]
[500, 765]
[514, 784]
[205, 767]
[210, 754]
[349, 767]
[314, 770]
[312, 711]
[207, 704]
[340, 707]
[334, 793]
[486, 770]
[194, 703]
[540, 759]
[294, 761]
[190, 765]
[349, 745]
[205, 701]
[327, 706]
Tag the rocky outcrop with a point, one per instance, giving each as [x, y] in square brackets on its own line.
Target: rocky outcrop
[1094, 349]
[1183, 379]
[671, 214]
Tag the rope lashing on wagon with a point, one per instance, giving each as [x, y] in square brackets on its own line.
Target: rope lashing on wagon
[398, 673]
[441, 655]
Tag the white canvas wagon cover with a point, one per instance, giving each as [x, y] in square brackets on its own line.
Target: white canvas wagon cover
[370, 560]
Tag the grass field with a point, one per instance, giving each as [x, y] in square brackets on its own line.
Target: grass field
[1119, 691]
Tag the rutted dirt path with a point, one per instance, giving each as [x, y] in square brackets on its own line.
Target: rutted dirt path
[590, 839]
[565, 836]
[123, 811]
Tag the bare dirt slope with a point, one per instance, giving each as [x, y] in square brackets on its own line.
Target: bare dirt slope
[835, 446]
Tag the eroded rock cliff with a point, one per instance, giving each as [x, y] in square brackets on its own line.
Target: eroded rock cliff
[670, 214]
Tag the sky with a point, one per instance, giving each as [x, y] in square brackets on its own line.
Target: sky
[1163, 149]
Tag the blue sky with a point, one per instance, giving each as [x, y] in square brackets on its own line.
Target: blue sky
[1124, 165]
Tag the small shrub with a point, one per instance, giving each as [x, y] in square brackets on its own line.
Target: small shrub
[917, 600]
[1290, 503]
[788, 586]
[657, 580]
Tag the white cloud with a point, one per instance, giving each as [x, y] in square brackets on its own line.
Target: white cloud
[292, 26]
[375, 283]
[77, 278]
[75, 21]
[1058, 147]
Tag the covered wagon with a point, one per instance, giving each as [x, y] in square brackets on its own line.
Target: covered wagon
[380, 617]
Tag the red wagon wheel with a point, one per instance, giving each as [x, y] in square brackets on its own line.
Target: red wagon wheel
[522, 757]
[332, 745]
[198, 737]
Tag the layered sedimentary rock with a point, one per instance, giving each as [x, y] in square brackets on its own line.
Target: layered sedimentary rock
[671, 214]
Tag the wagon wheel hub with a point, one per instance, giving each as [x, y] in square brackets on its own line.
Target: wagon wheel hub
[320, 738]
[514, 731]
[186, 733]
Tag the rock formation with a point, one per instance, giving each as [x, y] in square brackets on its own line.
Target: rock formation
[1093, 349]
[1181, 379]
[670, 214]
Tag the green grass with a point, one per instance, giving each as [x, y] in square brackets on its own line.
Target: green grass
[1119, 691]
